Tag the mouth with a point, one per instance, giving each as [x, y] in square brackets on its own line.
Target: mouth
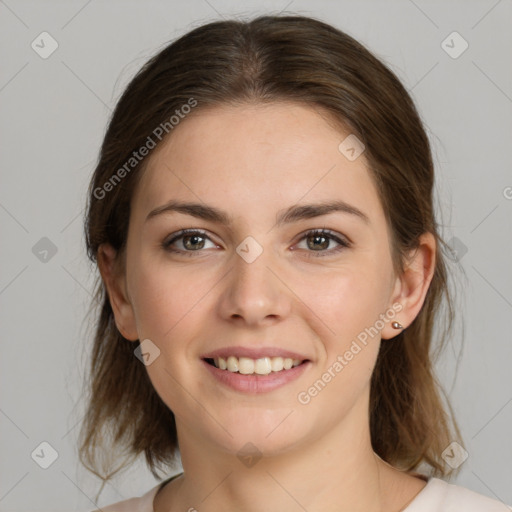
[257, 374]
[248, 366]
[254, 370]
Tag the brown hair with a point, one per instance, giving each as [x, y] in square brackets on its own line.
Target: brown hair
[269, 59]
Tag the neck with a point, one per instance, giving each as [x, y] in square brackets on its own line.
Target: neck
[337, 470]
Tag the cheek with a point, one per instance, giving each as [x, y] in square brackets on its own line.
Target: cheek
[343, 307]
[168, 312]
[163, 298]
[346, 301]
[171, 309]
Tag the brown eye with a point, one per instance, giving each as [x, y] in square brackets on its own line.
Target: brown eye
[191, 240]
[318, 241]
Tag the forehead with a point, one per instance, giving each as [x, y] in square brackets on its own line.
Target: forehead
[256, 156]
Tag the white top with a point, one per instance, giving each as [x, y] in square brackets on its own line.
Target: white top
[436, 496]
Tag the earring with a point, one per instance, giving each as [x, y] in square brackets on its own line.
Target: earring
[396, 325]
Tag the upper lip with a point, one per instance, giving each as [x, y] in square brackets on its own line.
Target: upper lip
[253, 353]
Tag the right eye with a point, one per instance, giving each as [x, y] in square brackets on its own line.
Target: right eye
[192, 240]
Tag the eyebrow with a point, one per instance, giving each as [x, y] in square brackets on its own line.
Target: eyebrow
[292, 214]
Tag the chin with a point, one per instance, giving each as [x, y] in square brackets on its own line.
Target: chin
[267, 436]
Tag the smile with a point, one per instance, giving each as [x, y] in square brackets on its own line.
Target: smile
[248, 366]
[251, 382]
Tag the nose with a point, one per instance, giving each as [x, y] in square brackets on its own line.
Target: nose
[255, 293]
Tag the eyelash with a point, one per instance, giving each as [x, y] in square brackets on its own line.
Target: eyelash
[343, 244]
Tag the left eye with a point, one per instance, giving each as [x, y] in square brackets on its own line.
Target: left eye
[189, 239]
[193, 240]
[321, 240]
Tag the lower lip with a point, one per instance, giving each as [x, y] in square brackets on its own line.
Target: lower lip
[255, 384]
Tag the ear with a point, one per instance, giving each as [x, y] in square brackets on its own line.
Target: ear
[411, 287]
[114, 278]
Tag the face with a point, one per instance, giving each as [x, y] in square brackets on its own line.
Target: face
[262, 284]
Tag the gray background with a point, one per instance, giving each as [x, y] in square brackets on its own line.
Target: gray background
[53, 116]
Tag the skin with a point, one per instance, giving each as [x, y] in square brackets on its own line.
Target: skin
[252, 161]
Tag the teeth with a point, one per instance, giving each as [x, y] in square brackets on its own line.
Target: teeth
[277, 364]
[232, 364]
[262, 366]
[246, 365]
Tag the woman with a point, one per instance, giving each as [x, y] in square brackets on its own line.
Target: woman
[271, 273]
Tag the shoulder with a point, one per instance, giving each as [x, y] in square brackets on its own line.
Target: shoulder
[440, 496]
[142, 504]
